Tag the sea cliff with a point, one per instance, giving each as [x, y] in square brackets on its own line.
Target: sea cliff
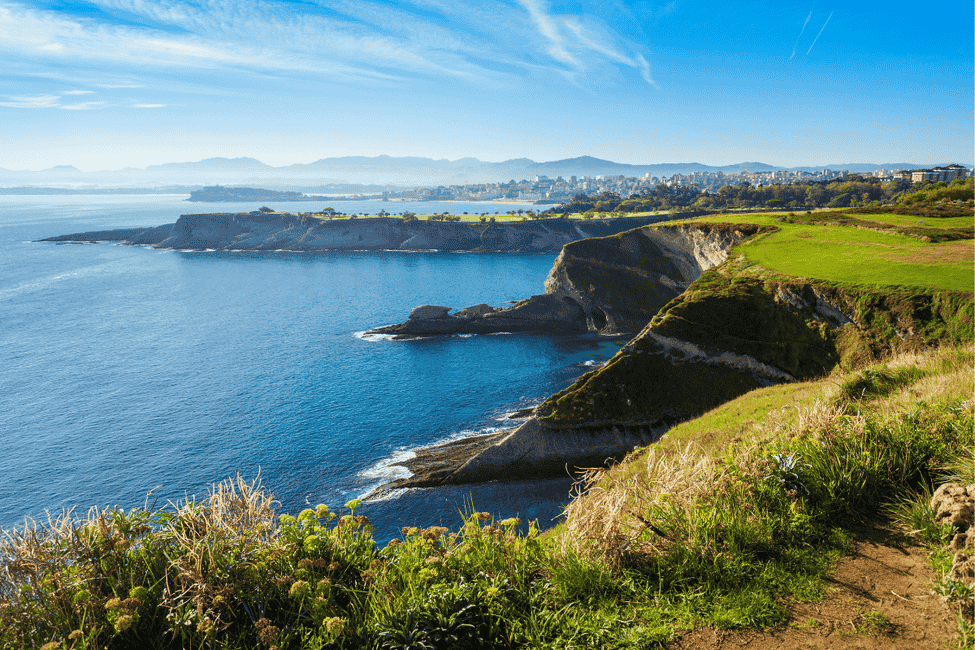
[732, 326]
[304, 232]
[610, 285]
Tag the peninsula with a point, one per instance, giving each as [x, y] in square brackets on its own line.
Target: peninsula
[271, 231]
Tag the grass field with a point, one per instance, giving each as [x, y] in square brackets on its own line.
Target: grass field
[848, 254]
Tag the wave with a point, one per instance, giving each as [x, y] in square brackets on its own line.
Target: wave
[366, 336]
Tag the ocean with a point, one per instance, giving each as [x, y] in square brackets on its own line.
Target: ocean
[128, 370]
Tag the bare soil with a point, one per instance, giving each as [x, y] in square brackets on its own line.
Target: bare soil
[878, 598]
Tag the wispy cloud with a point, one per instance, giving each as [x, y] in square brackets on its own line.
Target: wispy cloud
[148, 105]
[344, 41]
[78, 92]
[548, 29]
[35, 101]
[49, 101]
[799, 37]
[819, 34]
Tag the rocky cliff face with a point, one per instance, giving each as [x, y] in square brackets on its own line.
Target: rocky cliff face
[609, 284]
[274, 231]
[738, 327]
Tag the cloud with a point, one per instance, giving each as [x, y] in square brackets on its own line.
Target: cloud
[48, 101]
[358, 42]
[801, 32]
[84, 106]
[35, 101]
[78, 92]
[148, 105]
[550, 31]
[819, 34]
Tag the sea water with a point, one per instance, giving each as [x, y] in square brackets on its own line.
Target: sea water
[125, 370]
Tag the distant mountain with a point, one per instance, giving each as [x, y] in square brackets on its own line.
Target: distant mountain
[387, 171]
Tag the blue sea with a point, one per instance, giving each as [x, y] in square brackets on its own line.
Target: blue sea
[125, 370]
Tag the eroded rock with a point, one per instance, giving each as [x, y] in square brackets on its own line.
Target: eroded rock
[954, 503]
[426, 312]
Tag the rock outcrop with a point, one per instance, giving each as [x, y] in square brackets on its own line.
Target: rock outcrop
[610, 285]
[736, 328]
[954, 504]
[296, 232]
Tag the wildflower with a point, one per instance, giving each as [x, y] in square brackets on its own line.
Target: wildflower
[368, 575]
[300, 589]
[77, 634]
[334, 566]
[432, 561]
[53, 645]
[312, 544]
[394, 542]
[82, 597]
[513, 521]
[484, 516]
[322, 511]
[139, 592]
[124, 622]
[324, 584]
[353, 504]
[269, 634]
[113, 603]
[334, 625]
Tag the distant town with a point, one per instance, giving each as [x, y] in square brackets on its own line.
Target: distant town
[545, 190]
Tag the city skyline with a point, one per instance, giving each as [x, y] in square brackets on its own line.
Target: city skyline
[109, 84]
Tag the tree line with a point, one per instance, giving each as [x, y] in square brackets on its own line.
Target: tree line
[854, 190]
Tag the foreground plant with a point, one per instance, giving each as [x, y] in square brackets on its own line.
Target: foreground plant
[682, 537]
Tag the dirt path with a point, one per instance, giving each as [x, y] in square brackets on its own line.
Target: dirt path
[879, 598]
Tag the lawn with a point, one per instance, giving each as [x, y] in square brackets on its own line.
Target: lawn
[848, 254]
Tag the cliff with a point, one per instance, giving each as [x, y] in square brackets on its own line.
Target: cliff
[609, 285]
[304, 232]
[738, 326]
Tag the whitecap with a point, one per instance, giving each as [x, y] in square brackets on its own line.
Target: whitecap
[391, 495]
[366, 336]
[389, 469]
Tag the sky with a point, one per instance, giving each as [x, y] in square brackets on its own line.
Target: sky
[109, 84]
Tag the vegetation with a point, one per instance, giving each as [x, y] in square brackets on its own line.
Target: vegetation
[681, 534]
[854, 190]
[722, 522]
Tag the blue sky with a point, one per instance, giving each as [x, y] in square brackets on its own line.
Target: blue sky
[108, 84]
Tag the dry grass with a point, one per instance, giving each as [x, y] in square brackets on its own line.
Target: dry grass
[607, 517]
[43, 563]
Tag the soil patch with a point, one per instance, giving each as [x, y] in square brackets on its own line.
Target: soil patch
[957, 252]
[878, 598]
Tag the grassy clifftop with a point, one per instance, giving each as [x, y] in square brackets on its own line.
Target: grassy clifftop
[807, 295]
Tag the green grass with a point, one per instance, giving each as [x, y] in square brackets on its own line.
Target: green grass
[907, 220]
[845, 254]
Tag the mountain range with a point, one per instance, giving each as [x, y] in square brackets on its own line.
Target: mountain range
[383, 170]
